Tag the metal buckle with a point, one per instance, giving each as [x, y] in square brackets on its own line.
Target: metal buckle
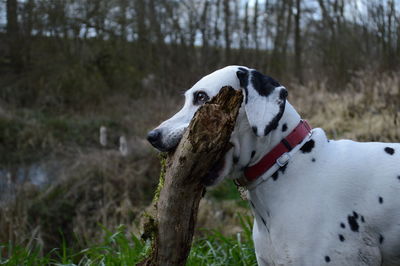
[241, 187]
[283, 159]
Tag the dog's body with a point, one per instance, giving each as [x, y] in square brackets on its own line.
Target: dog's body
[335, 202]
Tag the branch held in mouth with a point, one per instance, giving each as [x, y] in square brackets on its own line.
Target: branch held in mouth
[204, 143]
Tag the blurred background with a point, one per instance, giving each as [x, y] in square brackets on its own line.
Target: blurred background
[82, 81]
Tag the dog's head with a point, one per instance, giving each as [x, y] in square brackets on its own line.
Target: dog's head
[262, 108]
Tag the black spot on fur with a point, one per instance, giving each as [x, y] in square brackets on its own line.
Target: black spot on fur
[380, 200]
[389, 150]
[342, 225]
[327, 259]
[276, 174]
[243, 76]
[275, 121]
[313, 160]
[263, 84]
[283, 94]
[398, 177]
[381, 238]
[362, 219]
[352, 220]
[254, 128]
[252, 154]
[283, 168]
[284, 127]
[308, 146]
[235, 159]
[341, 238]
[264, 222]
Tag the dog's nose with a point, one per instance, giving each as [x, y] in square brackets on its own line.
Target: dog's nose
[154, 136]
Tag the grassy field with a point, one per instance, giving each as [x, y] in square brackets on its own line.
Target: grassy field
[122, 248]
[90, 185]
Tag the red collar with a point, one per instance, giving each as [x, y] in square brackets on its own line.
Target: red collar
[287, 144]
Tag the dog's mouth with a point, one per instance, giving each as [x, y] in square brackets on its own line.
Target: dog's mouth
[165, 143]
[169, 144]
[173, 140]
[168, 147]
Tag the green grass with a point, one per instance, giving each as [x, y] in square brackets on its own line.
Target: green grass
[227, 190]
[120, 248]
[217, 249]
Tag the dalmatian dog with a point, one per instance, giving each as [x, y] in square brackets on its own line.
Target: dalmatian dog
[322, 202]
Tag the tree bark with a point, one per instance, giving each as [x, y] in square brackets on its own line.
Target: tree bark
[13, 35]
[203, 144]
[227, 30]
[297, 44]
[255, 28]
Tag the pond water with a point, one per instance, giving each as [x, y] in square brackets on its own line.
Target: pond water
[35, 174]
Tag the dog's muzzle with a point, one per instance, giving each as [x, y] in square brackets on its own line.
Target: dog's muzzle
[155, 139]
[163, 140]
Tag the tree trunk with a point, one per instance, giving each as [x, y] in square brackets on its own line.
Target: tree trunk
[255, 28]
[246, 29]
[13, 35]
[203, 144]
[12, 18]
[297, 43]
[227, 32]
[204, 27]
[288, 29]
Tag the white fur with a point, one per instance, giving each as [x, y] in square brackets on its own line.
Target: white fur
[303, 209]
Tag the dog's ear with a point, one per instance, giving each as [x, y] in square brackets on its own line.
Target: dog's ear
[265, 100]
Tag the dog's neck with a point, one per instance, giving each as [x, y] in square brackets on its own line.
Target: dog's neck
[290, 119]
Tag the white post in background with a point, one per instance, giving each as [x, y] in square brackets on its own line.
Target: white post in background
[103, 136]
[123, 146]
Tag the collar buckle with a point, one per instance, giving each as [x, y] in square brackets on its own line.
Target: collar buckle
[283, 159]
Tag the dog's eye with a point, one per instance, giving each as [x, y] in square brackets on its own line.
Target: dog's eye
[200, 97]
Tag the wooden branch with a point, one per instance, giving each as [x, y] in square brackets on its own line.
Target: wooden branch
[203, 144]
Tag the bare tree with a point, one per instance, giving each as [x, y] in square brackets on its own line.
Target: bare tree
[297, 43]
[227, 32]
[13, 35]
[194, 36]
[246, 28]
[255, 27]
